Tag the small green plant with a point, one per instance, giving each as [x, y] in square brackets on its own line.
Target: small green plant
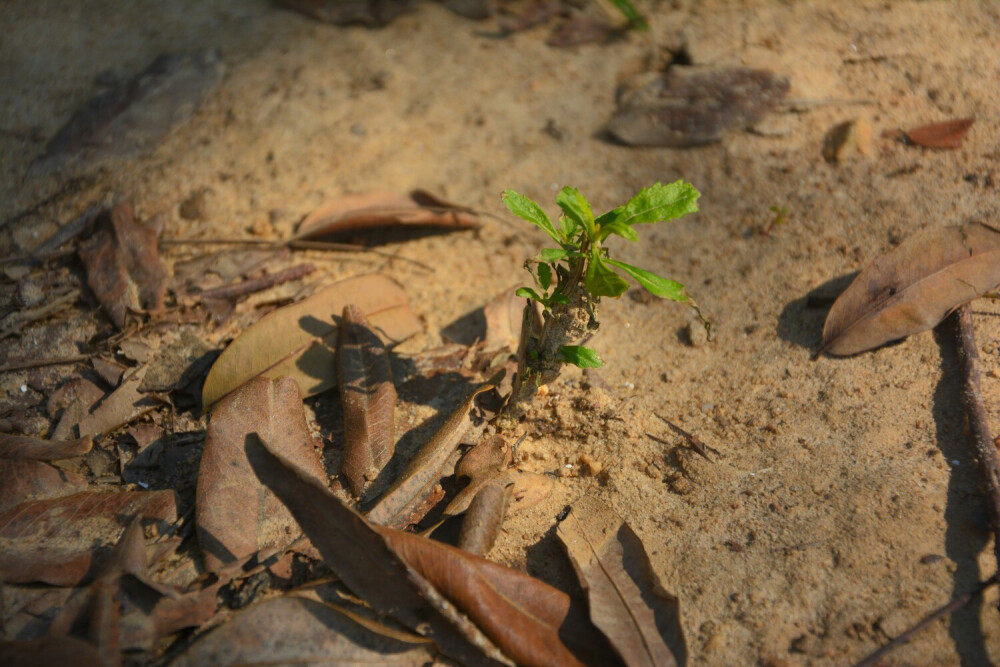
[571, 279]
[780, 215]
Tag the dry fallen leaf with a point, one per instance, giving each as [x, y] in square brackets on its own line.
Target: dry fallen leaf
[361, 559]
[427, 467]
[237, 516]
[947, 134]
[32, 480]
[123, 265]
[49, 651]
[484, 518]
[55, 540]
[298, 340]
[913, 287]
[349, 216]
[640, 620]
[295, 630]
[123, 405]
[371, 13]
[368, 397]
[24, 447]
[692, 106]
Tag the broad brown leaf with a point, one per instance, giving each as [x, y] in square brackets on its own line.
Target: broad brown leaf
[368, 397]
[361, 558]
[640, 620]
[947, 134]
[350, 215]
[123, 265]
[427, 467]
[484, 518]
[913, 287]
[55, 540]
[236, 515]
[31, 480]
[299, 340]
[295, 630]
[24, 447]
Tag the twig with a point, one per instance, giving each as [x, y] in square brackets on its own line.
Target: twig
[693, 440]
[950, 608]
[17, 321]
[37, 363]
[979, 425]
[258, 284]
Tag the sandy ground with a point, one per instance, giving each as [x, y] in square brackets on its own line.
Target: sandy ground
[845, 503]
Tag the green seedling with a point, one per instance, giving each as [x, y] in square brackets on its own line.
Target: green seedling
[780, 215]
[570, 279]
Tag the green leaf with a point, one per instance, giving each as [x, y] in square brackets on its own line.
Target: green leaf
[654, 204]
[525, 208]
[528, 293]
[620, 228]
[602, 281]
[577, 209]
[635, 19]
[544, 276]
[558, 297]
[581, 356]
[553, 254]
[568, 226]
[654, 284]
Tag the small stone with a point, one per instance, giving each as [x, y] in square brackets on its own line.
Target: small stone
[847, 141]
[695, 333]
[590, 466]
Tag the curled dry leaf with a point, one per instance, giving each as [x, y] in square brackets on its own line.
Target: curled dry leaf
[123, 265]
[484, 518]
[463, 602]
[299, 340]
[361, 558]
[54, 540]
[351, 215]
[948, 134]
[913, 287]
[504, 314]
[692, 106]
[427, 467]
[24, 447]
[640, 620]
[294, 630]
[368, 397]
[236, 515]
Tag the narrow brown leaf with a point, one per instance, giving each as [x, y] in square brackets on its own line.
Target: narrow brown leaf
[371, 13]
[484, 518]
[298, 340]
[24, 447]
[55, 540]
[351, 215]
[123, 405]
[49, 651]
[640, 620]
[913, 287]
[947, 134]
[295, 630]
[123, 265]
[237, 516]
[427, 466]
[32, 480]
[368, 397]
[363, 560]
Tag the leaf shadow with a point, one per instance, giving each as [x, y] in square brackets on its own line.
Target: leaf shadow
[966, 521]
[801, 321]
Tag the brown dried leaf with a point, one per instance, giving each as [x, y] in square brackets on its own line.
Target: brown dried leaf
[913, 287]
[123, 405]
[54, 540]
[371, 13]
[298, 340]
[295, 630]
[350, 215]
[427, 467]
[368, 397]
[504, 314]
[33, 480]
[581, 30]
[640, 620]
[49, 651]
[123, 265]
[484, 518]
[237, 516]
[24, 447]
[947, 134]
[363, 560]
[692, 106]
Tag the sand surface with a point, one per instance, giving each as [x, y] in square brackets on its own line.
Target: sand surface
[844, 503]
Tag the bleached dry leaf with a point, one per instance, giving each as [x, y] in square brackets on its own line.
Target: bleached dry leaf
[913, 287]
[299, 340]
[626, 602]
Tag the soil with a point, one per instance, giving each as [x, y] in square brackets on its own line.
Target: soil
[842, 502]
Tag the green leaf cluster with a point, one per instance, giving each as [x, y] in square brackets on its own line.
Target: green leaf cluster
[581, 255]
